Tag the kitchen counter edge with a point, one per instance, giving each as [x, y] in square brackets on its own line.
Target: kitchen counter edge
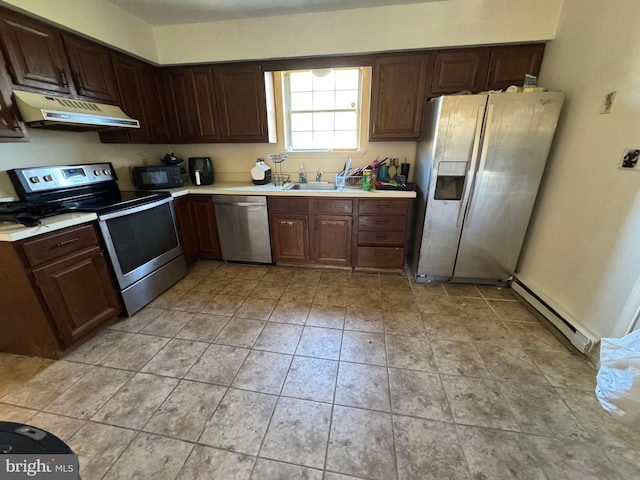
[240, 188]
[12, 232]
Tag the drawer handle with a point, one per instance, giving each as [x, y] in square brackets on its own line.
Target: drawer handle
[382, 205]
[382, 222]
[67, 242]
[381, 237]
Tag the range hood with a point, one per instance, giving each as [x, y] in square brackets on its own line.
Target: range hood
[60, 113]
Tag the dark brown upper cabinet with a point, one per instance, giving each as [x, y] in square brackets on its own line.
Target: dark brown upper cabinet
[180, 104]
[91, 69]
[458, 70]
[398, 97]
[155, 111]
[508, 65]
[128, 73]
[242, 103]
[205, 105]
[11, 128]
[35, 54]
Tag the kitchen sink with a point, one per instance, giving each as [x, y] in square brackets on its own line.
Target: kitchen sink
[312, 186]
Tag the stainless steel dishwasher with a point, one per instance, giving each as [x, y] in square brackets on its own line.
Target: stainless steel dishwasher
[243, 228]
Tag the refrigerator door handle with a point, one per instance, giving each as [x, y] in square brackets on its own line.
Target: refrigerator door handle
[483, 153]
[470, 180]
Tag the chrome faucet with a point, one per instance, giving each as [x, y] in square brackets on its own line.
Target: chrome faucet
[318, 175]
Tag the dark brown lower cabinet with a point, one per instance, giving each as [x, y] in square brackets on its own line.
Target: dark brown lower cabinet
[197, 227]
[57, 291]
[290, 238]
[332, 240]
[382, 231]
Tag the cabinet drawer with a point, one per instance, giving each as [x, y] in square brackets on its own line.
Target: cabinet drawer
[59, 244]
[383, 207]
[380, 238]
[333, 206]
[382, 223]
[288, 204]
[380, 257]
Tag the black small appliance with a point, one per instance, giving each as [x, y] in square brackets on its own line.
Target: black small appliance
[156, 177]
[201, 170]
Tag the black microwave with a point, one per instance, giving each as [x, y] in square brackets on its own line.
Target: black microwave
[156, 177]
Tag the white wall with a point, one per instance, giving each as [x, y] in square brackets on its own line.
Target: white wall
[424, 25]
[97, 19]
[582, 253]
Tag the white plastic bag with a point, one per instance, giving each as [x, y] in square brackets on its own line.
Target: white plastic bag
[618, 387]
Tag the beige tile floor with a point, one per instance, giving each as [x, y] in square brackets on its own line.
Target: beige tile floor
[281, 373]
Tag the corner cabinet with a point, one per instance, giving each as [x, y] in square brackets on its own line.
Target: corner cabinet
[398, 97]
[58, 291]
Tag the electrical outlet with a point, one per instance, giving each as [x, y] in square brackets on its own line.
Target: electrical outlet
[630, 159]
[607, 102]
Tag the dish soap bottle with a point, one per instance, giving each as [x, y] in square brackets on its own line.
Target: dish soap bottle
[302, 176]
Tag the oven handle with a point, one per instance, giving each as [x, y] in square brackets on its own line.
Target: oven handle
[140, 208]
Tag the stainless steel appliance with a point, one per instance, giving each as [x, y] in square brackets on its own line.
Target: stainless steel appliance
[243, 228]
[478, 170]
[156, 177]
[201, 170]
[138, 227]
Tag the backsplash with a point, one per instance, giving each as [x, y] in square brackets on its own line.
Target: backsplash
[232, 162]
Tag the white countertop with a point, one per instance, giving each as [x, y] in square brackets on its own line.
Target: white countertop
[244, 188]
[11, 232]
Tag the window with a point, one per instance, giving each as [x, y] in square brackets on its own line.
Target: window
[322, 109]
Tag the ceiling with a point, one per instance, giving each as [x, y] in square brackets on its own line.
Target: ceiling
[172, 12]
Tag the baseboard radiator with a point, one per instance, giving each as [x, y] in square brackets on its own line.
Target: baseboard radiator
[578, 339]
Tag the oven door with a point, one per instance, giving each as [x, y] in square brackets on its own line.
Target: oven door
[140, 239]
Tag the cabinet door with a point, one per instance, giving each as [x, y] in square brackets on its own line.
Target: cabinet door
[186, 229]
[128, 72]
[155, 111]
[508, 65]
[454, 71]
[205, 111]
[332, 240]
[35, 54]
[79, 292]
[290, 238]
[180, 103]
[91, 69]
[11, 128]
[242, 103]
[398, 97]
[204, 218]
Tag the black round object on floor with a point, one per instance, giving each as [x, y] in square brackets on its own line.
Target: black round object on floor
[25, 439]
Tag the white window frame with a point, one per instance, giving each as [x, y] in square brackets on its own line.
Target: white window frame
[286, 110]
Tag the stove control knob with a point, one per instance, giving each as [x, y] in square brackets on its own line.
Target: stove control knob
[97, 173]
[34, 179]
[47, 178]
[106, 171]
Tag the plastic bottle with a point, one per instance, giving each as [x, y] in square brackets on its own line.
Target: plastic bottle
[302, 177]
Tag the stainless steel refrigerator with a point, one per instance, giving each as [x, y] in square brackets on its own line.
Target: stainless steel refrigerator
[478, 170]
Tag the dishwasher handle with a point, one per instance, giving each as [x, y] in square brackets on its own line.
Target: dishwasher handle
[241, 204]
